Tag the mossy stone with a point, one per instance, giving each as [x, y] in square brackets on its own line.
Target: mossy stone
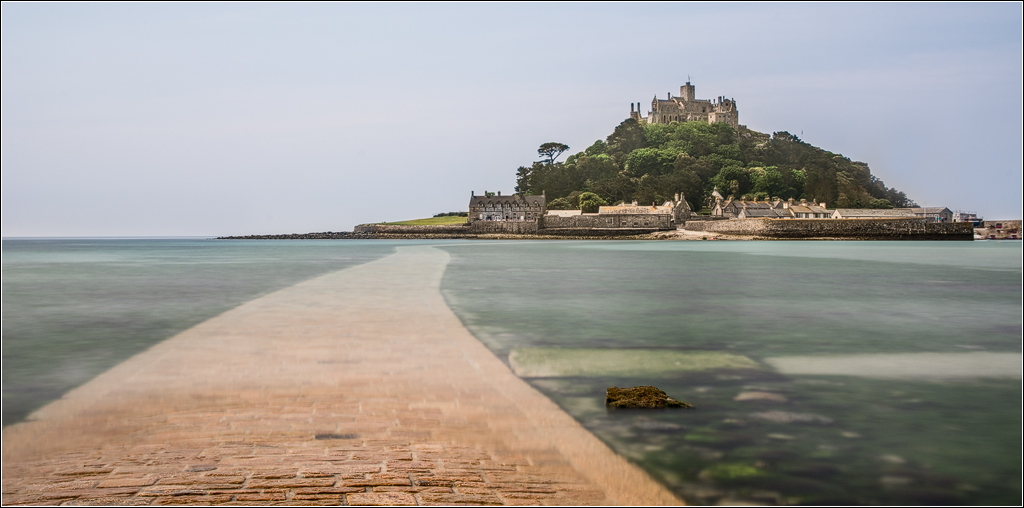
[640, 397]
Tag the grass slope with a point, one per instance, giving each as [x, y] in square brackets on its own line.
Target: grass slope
[432, 221]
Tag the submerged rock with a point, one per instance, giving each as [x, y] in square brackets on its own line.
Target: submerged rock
[640, 397]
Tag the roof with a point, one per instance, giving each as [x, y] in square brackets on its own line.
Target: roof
[868, 213]
[747, 204]
[565, 213]
[809, 209]
[765, 212]
[530, 200]
[928, 209]
[634, 210]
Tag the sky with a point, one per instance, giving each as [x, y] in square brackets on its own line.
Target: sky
[207, 119]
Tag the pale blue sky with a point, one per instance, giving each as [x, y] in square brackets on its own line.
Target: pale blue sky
[212, 119]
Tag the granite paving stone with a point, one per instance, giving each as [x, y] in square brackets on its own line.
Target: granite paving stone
[358, 387]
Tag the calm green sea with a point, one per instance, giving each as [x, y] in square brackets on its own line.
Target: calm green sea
[821, 372]
[73, 308]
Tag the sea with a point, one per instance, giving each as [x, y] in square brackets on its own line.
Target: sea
[820, 372]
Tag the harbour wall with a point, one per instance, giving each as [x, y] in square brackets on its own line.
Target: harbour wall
[881, 229]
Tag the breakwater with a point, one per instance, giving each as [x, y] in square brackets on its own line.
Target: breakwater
[478, 230]
[329, 235]
[847, 229]
[854, 229]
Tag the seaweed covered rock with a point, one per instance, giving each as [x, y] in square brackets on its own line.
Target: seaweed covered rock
[640, 397]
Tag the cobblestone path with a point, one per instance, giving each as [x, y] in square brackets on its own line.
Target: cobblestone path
[359, 387]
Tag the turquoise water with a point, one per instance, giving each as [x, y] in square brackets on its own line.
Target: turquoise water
[73, 308]
[858, 430]
[725, 326]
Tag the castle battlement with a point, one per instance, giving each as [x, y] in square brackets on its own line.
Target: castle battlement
[687, 108]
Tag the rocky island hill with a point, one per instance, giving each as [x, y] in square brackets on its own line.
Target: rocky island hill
[688, 163]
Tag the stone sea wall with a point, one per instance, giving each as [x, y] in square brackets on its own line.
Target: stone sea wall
[887, 229]
[607, 221]
[595, 233]
[501, 227]
[328, 235]
[400, 229]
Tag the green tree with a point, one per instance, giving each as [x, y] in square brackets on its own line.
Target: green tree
[881, 203]
[704, 169]
[627, 136]
[559, 204]
[649, 161]
[732, 180]
[598, 148]
[550, 151]
[768, 181]
[590, 202]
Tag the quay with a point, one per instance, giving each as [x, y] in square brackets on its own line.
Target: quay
[359, 387]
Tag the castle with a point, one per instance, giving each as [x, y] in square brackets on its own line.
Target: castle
[686, 108]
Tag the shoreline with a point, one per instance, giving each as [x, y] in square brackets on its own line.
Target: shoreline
[734, 229]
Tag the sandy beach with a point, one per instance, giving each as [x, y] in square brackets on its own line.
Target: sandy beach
[359, 387]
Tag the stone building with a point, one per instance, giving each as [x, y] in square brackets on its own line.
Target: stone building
[806, 210]
[687, 108]
[506, 208]
[764, 213]
[778, 209]
[623, 216]
[934, 213]
[872, 213]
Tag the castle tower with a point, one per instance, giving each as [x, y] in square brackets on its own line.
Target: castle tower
[686, 92]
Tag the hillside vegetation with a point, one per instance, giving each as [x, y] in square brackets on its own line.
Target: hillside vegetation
[649, 163]
[432, 221]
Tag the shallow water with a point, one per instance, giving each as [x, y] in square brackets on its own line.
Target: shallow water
[822, 372]
[911, 394]
[73, 308]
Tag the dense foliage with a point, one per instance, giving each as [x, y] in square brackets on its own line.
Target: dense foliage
[649, 163]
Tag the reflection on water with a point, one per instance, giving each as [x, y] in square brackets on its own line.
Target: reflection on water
[74, 308]
[822, 372]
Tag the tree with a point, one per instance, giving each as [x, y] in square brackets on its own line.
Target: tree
[627, 136]
[551, 151]
[649, 161]
[590, 202]
[768, 181]
[559, 204]
[732, 180]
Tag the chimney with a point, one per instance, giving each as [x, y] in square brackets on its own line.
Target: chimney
[630, 107]
[677, 196]
[785, 205]
[499, 193]
[823, 205]
[472, 194]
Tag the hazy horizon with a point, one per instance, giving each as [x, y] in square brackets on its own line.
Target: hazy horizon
[128, 120]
